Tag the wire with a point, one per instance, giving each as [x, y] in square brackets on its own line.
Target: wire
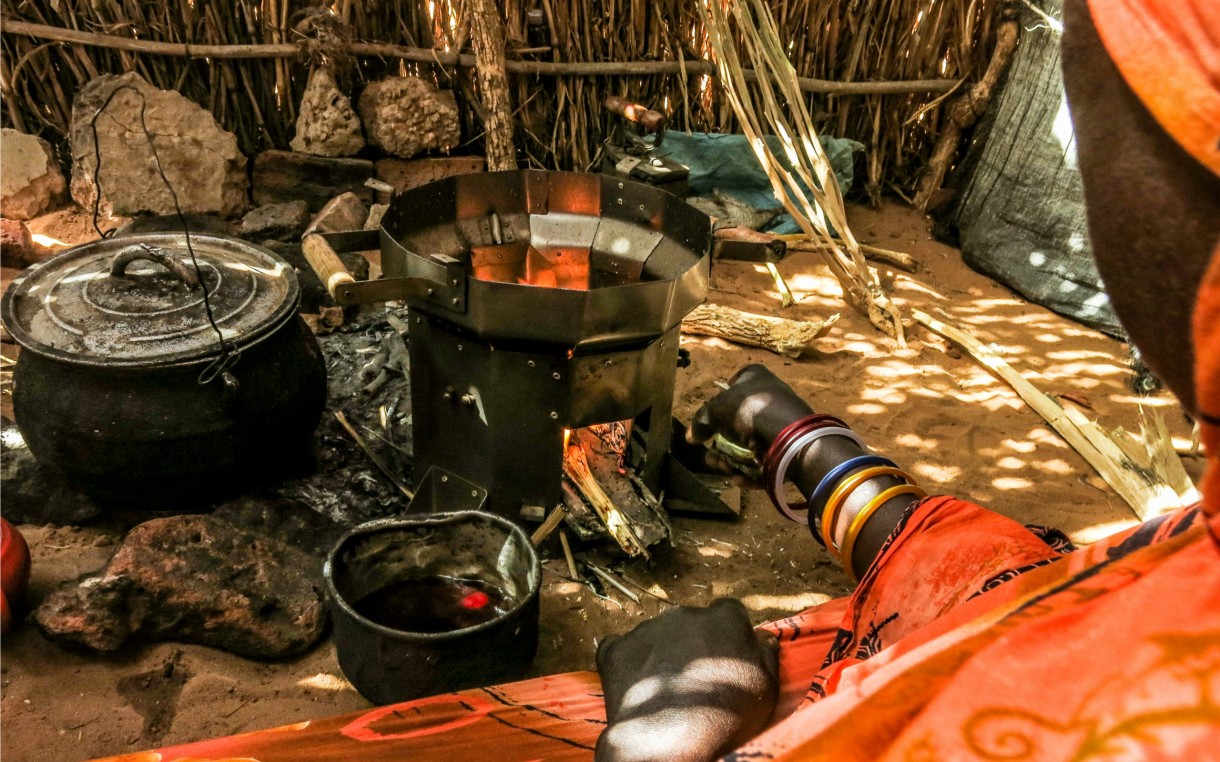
[228, 356]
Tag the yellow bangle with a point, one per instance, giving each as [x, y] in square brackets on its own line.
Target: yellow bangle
[830, 512]
[857, 523]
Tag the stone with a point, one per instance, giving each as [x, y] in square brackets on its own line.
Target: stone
[407, 115]
[405, 174]
[30, 180]
[277, 222]
[193, 579]
[204, 224]
[281, 176]
[16, 245]
[344, 213]
[201, 160]
[33, 493]
[326, 123]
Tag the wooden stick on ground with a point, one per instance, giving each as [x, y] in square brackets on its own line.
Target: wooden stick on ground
[576, 466]
[897, 259]
[782, 336]
[609, 579]
[545, 528]
[1135, 477]
[351, 430]
[567, 554]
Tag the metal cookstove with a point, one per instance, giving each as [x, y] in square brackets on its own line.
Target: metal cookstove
[539, 303]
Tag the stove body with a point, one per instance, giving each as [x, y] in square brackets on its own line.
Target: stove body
[540, 302]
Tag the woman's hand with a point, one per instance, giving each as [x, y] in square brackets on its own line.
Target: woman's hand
[752, 412]
[691, 684]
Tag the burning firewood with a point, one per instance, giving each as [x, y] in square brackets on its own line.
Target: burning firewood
[619, 524]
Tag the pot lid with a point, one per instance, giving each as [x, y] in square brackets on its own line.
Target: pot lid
[136, 300]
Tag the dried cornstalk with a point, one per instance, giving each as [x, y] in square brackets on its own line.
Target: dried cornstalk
[780, 97]
[576, 466]
[1149, 477]
[779, 335]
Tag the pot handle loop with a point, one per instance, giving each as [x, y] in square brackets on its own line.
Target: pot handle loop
[184, 273]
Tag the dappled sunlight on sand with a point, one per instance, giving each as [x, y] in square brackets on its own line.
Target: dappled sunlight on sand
[930, 406]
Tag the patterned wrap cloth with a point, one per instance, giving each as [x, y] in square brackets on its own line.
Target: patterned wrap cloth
[970, 637]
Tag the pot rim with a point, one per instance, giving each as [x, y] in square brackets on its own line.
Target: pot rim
[447, 517]
[283, 314]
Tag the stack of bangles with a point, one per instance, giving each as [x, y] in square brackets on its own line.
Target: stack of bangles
[835, 487]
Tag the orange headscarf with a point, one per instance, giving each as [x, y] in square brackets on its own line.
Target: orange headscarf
[1168, 51]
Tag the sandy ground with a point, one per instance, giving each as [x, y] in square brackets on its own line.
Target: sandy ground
[927, 406]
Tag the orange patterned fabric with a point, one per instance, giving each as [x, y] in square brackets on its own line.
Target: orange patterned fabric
[1168, 51]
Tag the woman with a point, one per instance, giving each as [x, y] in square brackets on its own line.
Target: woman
[968, 636]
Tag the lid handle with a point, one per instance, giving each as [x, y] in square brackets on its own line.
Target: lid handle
[118, 266]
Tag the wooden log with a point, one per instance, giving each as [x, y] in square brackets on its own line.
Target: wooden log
[487, 31]
[779, 335]
[897, 259]
[964, 112]
[281, 176]
[441, 58]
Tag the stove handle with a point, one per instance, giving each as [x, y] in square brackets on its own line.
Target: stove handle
[320, 252]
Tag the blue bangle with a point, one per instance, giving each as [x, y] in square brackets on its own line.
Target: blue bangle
[832, 478]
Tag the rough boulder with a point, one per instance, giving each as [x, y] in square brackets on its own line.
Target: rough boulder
[194, 579]
[326, 123]
[200, 159]
[408, 115]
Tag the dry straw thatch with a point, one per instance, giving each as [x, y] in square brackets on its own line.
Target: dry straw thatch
[558, 118]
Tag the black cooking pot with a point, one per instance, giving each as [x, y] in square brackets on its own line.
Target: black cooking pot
[121, 383]
[424, 641]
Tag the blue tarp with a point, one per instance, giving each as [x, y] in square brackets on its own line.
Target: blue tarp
[726, 163]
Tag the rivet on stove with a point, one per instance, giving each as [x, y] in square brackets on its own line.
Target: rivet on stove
[430, 291]
[555, 376]
[531, 363]
[460, 347]
[454, 301]
[641, 207]
[474, 493]
[554, 415]
[609, 363]
[444, 478]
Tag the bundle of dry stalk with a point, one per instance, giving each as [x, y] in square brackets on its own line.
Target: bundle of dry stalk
[654, 50]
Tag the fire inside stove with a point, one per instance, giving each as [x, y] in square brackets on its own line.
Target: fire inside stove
[527, 265]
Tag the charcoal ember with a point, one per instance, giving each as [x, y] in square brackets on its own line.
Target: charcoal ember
[194, 579]
[346, 487]
[276, 222]
[34, 493]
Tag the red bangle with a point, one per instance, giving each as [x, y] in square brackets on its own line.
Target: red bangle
[790, 433]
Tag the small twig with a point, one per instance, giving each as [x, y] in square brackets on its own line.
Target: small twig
[567, 554]
[785, 293]
[646, 591]
[609, 579]
[351, 430]
[548, 526]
